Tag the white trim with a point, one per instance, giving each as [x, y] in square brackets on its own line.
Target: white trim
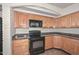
[32, 12]
[7, 36]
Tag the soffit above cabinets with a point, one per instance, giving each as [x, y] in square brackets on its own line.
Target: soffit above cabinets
[38, 10]
[61, 5]
[49, 9]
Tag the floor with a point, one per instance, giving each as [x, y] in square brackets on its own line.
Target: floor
[54, 52]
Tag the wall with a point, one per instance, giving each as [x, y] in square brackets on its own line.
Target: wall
[21, 30]
[65, 30]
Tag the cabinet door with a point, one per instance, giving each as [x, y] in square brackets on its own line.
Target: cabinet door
[48, 42]
[20, 47]
[57, 42]
[65, 21]
[75, 19]
[45, 24]
[16, 20]
[76, 47]
[58, 23]
[20, 20]
[48, 22]
[69, 45]
[23, 20]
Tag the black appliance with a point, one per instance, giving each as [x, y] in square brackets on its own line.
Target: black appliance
[0, 36]
[37, 43]
[35, 23]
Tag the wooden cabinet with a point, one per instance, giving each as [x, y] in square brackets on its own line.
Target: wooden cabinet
[48, 22]
[64, 22]
[68, 21]
[20, 47]
[58, 23]
[76, 47]
[75, 19]
[57, 42]
[20, 20]
[69, 45]
[48, 42]
[53, 42]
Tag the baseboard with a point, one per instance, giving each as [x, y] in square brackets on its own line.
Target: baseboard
[59, 49]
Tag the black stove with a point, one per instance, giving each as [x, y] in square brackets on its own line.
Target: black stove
[37, 43]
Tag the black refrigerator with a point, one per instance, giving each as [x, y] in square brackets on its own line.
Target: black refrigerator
[0, 35]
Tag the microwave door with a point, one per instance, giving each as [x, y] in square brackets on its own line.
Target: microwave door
[35, 23]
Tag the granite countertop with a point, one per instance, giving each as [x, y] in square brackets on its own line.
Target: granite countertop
[76, 36]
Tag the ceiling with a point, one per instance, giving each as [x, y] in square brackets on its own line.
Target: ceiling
[61, 5]
[49, 9]
[38, 9]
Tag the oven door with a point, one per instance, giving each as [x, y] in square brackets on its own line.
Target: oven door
[37, 46]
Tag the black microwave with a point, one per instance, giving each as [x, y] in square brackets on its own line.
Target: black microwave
[35, 23]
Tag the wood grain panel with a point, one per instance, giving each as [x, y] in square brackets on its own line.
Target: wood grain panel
[69, 45]
[68, 21]
[76, 47]
[20, 47]
[57, 42]
[22, 20]
[48, 42]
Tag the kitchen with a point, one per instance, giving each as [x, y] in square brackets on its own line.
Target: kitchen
[51, 28]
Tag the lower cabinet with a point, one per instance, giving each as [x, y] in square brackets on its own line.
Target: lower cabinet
[48, 42]
[57, 41]
[77, 48]
[20, 47]
[69, 45]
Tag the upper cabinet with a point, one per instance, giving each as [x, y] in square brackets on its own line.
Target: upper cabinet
[20, 20]
[68, 21]
[59, 22]
[64, 22]
[49, 23]
[75, 19]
